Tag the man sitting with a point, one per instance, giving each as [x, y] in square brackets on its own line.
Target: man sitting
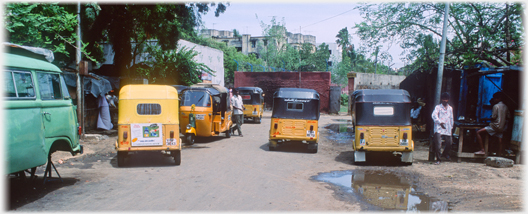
[498, 125]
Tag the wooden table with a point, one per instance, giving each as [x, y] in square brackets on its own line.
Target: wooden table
[460, 154]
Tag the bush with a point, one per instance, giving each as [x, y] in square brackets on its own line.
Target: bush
[344, 99]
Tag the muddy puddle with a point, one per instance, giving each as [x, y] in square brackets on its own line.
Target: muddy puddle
[342, 132]
[379, 190]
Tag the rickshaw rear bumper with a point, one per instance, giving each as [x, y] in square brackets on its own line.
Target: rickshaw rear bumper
[142, 148]
[385, 149]
[308, 140]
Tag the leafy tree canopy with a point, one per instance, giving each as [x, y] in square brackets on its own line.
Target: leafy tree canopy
[478, 32]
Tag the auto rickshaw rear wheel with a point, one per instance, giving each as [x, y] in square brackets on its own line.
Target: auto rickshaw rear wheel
[121, 158]
[189, 139]
[258, 119]
[312, 148]
[272, 147]
[177, 157]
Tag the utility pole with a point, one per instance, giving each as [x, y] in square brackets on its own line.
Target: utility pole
[80, 113]
[440, 70]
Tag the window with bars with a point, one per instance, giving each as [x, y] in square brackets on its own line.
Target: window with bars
[149, 109]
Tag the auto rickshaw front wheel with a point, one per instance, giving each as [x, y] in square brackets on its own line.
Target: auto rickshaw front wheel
[177, 157]
[189, 139]
[228, 132]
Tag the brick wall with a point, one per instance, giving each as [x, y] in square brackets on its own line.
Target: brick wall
[271, 81]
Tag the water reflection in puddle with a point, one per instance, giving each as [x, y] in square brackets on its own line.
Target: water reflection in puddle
[341, 133]
[383, 190]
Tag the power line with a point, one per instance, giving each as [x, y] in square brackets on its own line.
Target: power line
[329, 18]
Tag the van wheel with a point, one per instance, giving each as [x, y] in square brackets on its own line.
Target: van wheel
[189, 139]
[121, 159]
[177, 157]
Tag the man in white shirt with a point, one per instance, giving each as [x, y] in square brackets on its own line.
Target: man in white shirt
[238, 112]
[443, 125]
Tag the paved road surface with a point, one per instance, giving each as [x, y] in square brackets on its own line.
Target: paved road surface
[218, 174]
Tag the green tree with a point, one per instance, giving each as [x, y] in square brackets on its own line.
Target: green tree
[123, 25]
[48, 26]
[343, 41]
[171, 67]
[479, 32]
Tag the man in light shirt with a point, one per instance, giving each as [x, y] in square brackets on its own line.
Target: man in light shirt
[238, 112]
[443, 124]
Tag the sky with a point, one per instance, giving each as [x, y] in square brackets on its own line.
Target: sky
[322, 20]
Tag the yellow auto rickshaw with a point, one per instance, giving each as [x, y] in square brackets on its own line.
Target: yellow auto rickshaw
[205, 111]
[253, 99]
[295, 118]
[148, 121]
[382, 122]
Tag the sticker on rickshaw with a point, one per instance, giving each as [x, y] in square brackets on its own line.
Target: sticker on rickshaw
[147, 134]
[310, 133]
[255, 113]
[170, 142]
[200, 117]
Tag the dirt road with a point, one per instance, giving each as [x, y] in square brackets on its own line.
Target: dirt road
[240, 174]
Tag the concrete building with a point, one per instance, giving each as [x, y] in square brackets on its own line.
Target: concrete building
[335, 53]
[249, 44]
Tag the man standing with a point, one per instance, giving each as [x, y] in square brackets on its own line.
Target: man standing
[238, 112]
[443, 124]
[496, 128]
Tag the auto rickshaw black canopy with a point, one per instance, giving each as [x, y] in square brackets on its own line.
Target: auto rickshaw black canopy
[382, 107]
[221, 101]
[296, 103]
[255, 94]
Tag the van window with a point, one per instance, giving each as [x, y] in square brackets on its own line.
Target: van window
[19, 84]
[295, 106]
[149, 109]
[49, 85]
[64, 88]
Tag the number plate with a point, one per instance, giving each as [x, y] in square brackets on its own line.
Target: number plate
[200, 117]
[310, 133]
[170, 142]
[255, 113]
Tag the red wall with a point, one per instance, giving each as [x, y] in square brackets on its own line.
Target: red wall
[271, 81]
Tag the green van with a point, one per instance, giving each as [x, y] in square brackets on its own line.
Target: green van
[39, 116]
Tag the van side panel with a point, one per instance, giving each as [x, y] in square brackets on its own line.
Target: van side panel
[25, 137]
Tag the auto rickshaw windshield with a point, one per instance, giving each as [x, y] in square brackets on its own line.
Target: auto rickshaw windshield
[198, 98]
[249, 97]
[382, 107]
[296, 104]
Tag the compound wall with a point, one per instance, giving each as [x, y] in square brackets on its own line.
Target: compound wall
[271, 81]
